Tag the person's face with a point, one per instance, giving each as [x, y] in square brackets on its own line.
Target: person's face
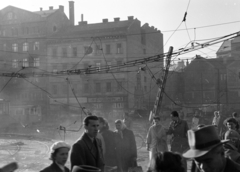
[156, 121]
[231, 126]
[92, 128]
[211, 162]
[101, 125]
[61, 156]
[174, 118]
[118, 126]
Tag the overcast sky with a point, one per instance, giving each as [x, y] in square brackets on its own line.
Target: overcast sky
[165, 15]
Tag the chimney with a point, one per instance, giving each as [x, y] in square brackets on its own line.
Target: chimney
[116, 19]
[130, 17]
[82, 23]
[71, 12]
[51, 8]
[61, 8]
[105, 20]
[41, 9]
[82, 17]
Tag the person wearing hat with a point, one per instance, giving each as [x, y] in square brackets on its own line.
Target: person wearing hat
[178, 129]
[232, 147]
[207, 152]
[59, 156]
[87, 150]
[156, 138]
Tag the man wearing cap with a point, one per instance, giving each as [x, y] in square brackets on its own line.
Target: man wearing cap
[156, 138]
[206, 150]
[88, 149]
[178, 129]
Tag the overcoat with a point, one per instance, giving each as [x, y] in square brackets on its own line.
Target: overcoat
[126, 149]
[54, 168]
[178, 130]
[84, 153]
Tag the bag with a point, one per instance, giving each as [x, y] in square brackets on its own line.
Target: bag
[135, 169]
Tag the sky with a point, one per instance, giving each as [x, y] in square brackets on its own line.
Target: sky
[165, 15]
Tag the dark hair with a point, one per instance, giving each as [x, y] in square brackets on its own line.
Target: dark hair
[169, 162]
[88, 118]
[233, 120]
[156, 117]
[174, 114]
[234, 114]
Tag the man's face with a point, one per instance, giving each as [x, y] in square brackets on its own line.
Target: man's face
[211, 162]
[174, 118]
[92, 128]
[231, 126]
[118, 126]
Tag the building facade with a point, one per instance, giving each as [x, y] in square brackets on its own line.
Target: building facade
[94, 46]
[23, 50]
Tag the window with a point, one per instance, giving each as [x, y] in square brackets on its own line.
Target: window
[15, 47]
[109, 65]
[144, 51]
[36, 62]
[74, 51]
[54, 89]
[54, 28]
[36, 46]
[119, 86]
[108, 87]
[4, 47]
[25, 46]
[98, 87]
[145, 88]
[119, 48]
[64, 52]
[86, 88]
[15, 63]
[25, 63]
[54, 52]
[10, 16]
[98, 66]
[119, 63]
[88, 50]
[16, 31]
[98, 49]
[108, 49]
[145, 79]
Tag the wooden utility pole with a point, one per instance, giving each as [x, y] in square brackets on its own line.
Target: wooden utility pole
[158, 101]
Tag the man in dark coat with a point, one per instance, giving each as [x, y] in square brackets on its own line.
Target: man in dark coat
[125, 146]
[178, 129]
[88, 149]
[110, 144]
[206, 151]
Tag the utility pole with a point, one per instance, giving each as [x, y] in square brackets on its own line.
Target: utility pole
[158, 101]
[218, 85]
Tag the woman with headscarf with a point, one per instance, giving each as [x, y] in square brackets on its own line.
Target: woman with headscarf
[59, 156]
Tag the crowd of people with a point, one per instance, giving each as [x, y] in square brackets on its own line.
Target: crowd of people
[209, 148]
[98, 149]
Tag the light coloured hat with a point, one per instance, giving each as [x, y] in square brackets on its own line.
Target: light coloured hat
[58, 145]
